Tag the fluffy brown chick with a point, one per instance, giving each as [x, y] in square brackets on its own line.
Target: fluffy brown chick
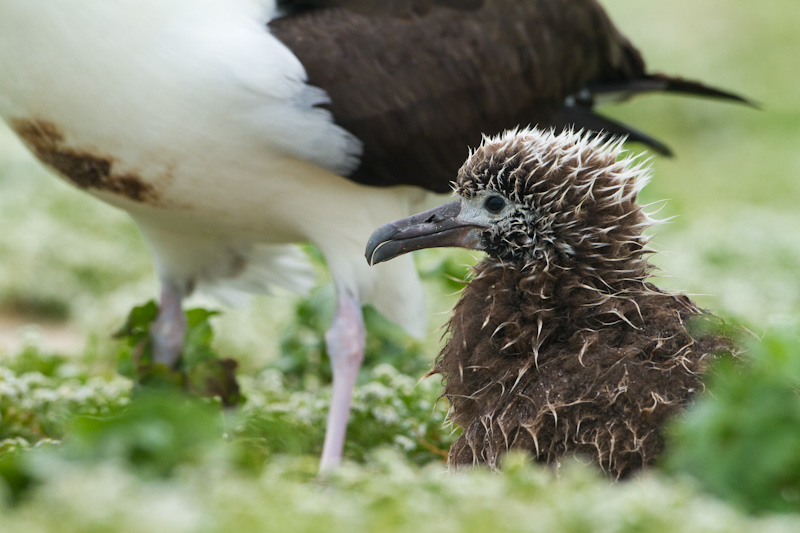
[558, 345]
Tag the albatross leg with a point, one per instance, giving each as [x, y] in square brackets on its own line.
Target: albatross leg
[169, 328]
[345, 341]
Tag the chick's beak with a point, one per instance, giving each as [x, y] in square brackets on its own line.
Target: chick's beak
[441, 227]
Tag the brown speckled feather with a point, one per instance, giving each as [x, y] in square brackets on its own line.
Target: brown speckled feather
[418, 90]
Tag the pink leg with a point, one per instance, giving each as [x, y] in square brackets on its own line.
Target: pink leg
[169, 328]
[345, 341]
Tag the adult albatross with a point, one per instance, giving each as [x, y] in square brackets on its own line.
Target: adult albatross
[230, 129]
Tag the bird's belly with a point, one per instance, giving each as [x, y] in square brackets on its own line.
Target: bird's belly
[197, 192]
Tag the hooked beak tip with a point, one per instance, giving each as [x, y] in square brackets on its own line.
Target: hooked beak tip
[436, 228]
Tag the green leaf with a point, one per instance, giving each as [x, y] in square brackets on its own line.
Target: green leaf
[742, 439]
[201, 370]
[157, 432]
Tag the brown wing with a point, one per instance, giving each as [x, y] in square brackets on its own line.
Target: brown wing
[419, 90]
[378, 7]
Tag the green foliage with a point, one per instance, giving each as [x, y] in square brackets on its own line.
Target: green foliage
[155, 433]
[160, 428]
[303, 357]
[389, 409]
[152, 436]
[303, 360]
[450, 269]
[386, 494]
[34, 305]
[33, 361]
[201, 370]
[15, 477]
[135, 334]
[742, 439]
[40, 392]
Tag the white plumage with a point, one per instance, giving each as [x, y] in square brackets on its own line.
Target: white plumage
[199, 101]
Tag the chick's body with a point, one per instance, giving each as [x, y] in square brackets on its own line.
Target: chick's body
[599, 381]
[559, 345]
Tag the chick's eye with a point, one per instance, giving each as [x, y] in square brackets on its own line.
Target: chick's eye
[494, 204]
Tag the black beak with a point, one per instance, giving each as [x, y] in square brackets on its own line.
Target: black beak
[438, 228]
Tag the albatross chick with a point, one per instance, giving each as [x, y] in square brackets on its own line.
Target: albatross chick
[559, 345]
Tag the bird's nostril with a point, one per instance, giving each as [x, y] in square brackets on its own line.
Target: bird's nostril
[430, 219]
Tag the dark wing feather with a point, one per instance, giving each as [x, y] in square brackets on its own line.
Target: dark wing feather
[419, 90]
[584, 117]
[624, 89]
[379, 7]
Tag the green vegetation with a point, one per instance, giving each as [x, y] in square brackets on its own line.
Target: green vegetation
[81, 449]
[742, 440]
[163, 461]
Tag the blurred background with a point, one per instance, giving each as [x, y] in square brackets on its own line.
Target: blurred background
[72, 267]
